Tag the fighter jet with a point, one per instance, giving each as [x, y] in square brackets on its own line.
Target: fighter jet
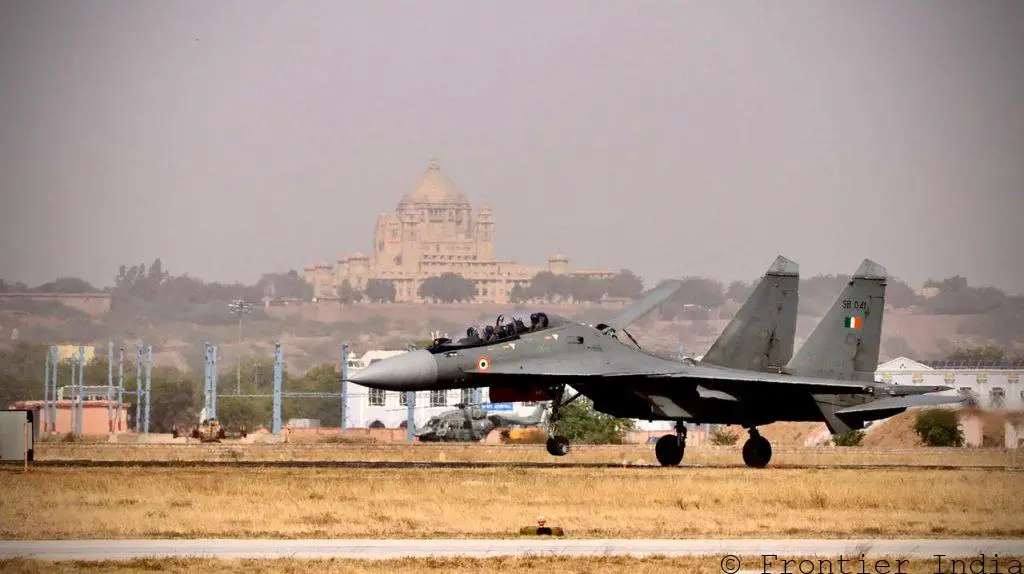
[750, 376]
[472, 423]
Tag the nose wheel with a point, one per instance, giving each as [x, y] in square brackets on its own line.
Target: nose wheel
[669, 448]
[757, 451]
[557, 445]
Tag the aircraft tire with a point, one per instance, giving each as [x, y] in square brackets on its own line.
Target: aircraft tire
[757, 452]
[558, 445]
[668, 450]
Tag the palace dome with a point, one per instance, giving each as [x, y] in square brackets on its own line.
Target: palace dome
[435, 188]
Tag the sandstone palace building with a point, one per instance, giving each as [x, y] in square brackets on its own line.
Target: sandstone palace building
[433, 231]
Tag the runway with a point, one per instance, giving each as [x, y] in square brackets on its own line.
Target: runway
[398, 464]
[375, 549]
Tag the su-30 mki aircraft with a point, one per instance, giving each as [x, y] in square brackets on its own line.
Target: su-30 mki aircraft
[749, 376]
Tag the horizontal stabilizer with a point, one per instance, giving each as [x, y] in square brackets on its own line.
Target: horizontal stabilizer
[904, 402]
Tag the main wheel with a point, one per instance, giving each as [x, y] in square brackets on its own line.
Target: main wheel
[558, 445]
[668, 450]
[757, 451]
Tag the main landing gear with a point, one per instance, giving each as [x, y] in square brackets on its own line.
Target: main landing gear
[669, 448]
[558, 445]
[757, 451]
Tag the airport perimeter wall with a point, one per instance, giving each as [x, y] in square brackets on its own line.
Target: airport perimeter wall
[94, 304]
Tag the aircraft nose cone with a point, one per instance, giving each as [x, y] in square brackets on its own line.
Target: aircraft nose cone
[408, 372]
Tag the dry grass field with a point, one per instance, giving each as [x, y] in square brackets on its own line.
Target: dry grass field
[630, 455]
[568, 565]
[272, 502]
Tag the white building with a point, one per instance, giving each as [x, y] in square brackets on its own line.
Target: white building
[374, 408]
[991, 384]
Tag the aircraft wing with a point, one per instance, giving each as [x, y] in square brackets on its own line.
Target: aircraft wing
[710, 381]
[903, 402]
[738, 380]
[644, 306]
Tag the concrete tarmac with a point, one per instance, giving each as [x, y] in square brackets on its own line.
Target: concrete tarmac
[376, 549]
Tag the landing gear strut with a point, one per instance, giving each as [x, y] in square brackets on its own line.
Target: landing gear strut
[558, 445]
[757, 451]
[669, 448]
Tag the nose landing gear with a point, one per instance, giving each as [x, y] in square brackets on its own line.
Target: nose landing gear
[557, 445]
[669, 448]
[757, 451]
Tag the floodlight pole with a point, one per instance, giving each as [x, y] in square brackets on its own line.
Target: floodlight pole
[344, 387]
[240, 307]
[278, 367]
[238, 372]
[110, 387]
[120, 391]
[46, 391]
[149, 383]
[55, 361]
[206, 380]
[213, 382]
[138, 386]
[71, 392]
[81, 383]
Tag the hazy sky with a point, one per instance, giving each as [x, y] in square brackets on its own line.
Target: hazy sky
[672, 138]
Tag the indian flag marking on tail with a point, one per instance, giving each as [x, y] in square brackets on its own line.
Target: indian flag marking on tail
[853, 322]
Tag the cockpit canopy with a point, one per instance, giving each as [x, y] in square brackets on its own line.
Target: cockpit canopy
[505, 326]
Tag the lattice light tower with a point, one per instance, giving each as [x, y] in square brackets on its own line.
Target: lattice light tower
[240, 308]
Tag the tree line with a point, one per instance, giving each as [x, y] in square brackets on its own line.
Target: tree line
[545, 286]
[153, 289]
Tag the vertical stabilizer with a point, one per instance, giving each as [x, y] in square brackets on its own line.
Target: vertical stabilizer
[845, 343]
[760, 335]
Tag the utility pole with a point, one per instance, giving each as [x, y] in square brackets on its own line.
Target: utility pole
[240, 308]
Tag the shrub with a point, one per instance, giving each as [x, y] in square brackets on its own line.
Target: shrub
[345, 439]
[851, 438]
[722, 437]
[581, 423]
[524, 436]
[938, 427]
